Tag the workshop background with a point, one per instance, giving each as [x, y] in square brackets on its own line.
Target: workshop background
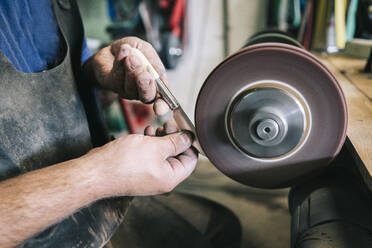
[214, 29]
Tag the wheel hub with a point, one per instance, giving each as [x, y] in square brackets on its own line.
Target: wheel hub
[267, 120]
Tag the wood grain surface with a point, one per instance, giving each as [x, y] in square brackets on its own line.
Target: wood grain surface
[357, 87]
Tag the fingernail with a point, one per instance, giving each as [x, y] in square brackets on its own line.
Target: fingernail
[161, 107]
[134, 62]
[187, 137]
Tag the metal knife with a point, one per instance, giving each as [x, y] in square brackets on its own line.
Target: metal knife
[179, 115]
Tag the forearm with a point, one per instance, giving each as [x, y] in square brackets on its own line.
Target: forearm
[36, 200]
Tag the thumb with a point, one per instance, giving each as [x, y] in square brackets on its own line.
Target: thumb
[176, 143]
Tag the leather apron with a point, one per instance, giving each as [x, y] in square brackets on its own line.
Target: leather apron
[43, 121]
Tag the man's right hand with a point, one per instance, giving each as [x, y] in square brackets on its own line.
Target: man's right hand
[131, 165]
[142, 165]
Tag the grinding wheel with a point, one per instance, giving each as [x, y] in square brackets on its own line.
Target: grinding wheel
[271, 115]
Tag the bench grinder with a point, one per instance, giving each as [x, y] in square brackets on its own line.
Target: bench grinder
[268, 116]
[271, 114]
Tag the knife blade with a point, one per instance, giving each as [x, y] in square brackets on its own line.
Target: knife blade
[179, 115]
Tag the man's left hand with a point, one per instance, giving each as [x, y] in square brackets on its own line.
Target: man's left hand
[114, 68]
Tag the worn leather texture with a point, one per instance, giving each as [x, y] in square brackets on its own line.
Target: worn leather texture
[43, 121]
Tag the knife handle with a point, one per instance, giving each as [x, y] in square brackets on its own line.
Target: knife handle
[163, 90]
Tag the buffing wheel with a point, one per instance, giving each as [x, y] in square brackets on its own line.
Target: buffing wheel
[271, 115]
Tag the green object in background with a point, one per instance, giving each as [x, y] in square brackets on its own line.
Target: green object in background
[294, 10]
[274, 13]
[284, 14]
[95, 18]
[351, 20]
[322, 17]
[114, 118]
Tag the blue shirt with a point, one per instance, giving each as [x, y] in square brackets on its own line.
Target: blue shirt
[30, 37]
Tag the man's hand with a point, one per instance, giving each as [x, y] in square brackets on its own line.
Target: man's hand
[114, 68]
[132, 165]
[143, 165]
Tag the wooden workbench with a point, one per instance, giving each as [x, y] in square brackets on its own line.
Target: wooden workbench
[357, 87]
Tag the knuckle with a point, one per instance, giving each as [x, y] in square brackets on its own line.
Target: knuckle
[135, 41]
[134, 38]
[136, 139]
[173, 143]
[122, 46]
